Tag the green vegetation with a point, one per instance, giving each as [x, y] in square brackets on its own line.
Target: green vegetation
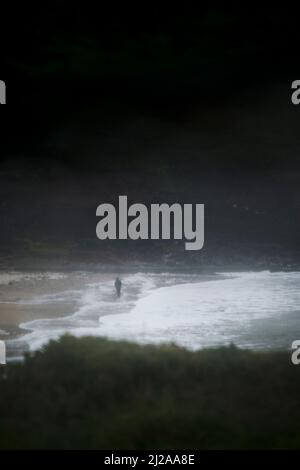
[92, 393]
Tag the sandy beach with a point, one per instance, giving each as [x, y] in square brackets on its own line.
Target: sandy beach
[22, 297]
[38, 306]
[257, 310]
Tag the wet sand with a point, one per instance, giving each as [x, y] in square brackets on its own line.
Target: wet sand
[21, 298]
[49, 301]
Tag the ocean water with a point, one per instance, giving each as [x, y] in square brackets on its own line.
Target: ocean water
[259, 310]
[7, 278]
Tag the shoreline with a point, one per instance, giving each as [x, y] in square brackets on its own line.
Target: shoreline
[17, 299]
[22, 300]
[50, 296]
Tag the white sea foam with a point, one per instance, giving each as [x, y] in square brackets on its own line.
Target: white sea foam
[257, 310]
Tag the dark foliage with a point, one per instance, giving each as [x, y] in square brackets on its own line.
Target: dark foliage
[96, 394]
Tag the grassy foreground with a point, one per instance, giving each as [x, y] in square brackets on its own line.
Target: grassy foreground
[92, 393]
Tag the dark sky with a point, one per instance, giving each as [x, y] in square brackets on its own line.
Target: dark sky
[187, 103]
[164, 60]
[63, 56]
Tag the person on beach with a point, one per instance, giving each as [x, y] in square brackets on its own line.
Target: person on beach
[118, 286]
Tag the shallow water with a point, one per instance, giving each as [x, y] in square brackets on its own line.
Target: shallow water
[255, 310]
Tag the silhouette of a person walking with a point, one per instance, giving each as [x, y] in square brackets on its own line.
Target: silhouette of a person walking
[118, 286]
